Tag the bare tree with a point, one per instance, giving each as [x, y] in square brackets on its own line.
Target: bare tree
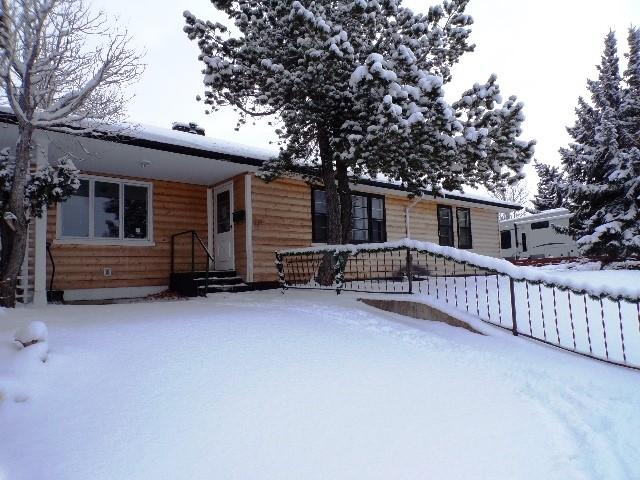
[516, 193]
[62, 68]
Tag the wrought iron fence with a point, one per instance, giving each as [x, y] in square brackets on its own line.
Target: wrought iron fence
[601, 323]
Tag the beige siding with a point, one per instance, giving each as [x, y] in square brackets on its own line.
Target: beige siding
[282, 219]
[175, 207]
[423, 224]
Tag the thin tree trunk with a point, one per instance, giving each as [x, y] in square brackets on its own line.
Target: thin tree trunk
[326, 272]
[16, 237]
[345, 201]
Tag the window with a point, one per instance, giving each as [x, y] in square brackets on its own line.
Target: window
[445, 225]
[223, 211]
[539, 225]
[505, 239]
[105, 210]
[465, 239]
[367, 217]
[524, 242]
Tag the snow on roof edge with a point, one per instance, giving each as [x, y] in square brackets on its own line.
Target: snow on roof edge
[213, 145]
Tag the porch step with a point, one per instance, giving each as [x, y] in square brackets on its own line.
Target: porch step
[194, 284]
[237, 287]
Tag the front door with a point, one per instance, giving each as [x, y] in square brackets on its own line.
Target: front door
[223, 227]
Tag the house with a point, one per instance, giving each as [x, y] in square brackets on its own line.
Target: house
[534, 236]
[155, 205]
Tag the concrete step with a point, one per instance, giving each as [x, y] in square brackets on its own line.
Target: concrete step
[239, 287]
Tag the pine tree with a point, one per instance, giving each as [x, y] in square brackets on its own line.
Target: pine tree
[602, 164]
[358, 90]
[550, 188]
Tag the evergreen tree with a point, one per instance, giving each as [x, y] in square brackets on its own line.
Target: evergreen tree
[358, 90]
[550, 187]
[602, 164]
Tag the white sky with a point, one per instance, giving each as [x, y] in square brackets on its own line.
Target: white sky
[542, 51]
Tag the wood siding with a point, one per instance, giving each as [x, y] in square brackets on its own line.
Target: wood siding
[282, 219]
[176, 207]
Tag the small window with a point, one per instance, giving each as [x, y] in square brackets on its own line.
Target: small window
[103, 209]
[505, 239]
[359, 218]
[106, 210]
[378, 232]
[135, 211]
[539, 225]
[465, 239]
[74, 213]
[319, 209]
[367, 217]
[524, 242]
[223, 211]
[445, 225]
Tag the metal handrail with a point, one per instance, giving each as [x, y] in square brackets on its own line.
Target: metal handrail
[194, 237]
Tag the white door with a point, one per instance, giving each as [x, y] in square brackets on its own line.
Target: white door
[223, 227]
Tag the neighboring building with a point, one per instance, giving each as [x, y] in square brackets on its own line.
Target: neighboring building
[142, 186]
[533, 236]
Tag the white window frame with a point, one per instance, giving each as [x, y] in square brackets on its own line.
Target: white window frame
[91, 240]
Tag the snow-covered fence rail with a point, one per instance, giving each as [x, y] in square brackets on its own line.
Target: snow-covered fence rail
[602, 322]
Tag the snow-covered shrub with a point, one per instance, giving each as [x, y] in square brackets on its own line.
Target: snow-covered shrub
[34, 335]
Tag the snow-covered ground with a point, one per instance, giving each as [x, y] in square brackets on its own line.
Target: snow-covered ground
[303, 385]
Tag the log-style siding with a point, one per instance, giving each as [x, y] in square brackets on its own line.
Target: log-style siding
[423, 224]
[175, 207]
[282, 219]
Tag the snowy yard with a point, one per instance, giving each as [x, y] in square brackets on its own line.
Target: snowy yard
[303, 385]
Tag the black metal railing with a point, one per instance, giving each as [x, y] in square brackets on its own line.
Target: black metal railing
[190, 257]
[602, 323]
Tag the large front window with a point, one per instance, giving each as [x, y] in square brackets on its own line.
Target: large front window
[106, 210]
[367, 217]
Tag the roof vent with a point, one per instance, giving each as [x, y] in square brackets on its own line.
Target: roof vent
[190, 127]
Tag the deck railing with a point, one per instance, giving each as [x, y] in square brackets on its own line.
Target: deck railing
[602, 323]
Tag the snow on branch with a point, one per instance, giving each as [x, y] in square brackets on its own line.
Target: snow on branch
[62, 66]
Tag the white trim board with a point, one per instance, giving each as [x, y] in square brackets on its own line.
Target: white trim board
[248, 208]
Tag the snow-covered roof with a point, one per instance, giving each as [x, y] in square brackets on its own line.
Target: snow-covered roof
[175, 141]
[175, 137]
[552, 214]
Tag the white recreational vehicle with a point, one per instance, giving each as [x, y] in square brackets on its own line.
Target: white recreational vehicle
[533, 236]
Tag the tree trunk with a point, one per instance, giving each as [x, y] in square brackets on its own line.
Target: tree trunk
[16, 237]
[326, 272]
[345, 201]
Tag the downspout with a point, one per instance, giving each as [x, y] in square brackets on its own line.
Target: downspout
[407, 209]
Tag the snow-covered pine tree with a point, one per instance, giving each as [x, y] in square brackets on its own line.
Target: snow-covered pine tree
[550, 187]
[602, 168]
[63, 69]
[357, 88]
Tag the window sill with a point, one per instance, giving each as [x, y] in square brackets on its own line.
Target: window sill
[104, 242]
